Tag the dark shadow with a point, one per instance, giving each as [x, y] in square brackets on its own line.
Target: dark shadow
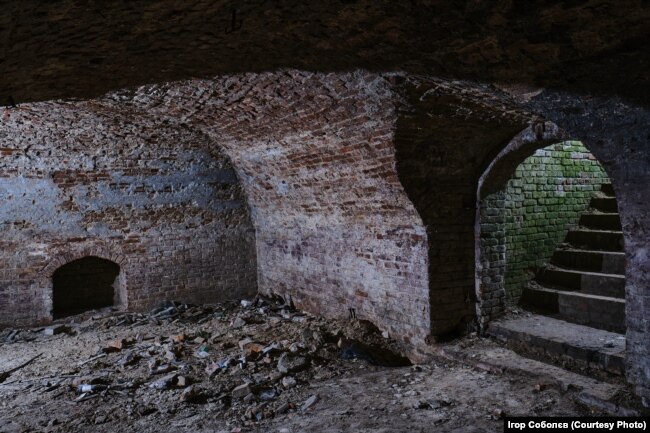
[84, 284]
[441, 139]
[470, 40]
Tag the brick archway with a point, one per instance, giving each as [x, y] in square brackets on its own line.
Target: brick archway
[616, 132]
[490, 301]
[100, 250]
[85, 284]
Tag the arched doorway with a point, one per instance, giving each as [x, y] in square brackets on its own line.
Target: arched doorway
[549, 239]
[84, 284]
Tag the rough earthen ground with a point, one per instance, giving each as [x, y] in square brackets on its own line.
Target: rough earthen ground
[181, 369]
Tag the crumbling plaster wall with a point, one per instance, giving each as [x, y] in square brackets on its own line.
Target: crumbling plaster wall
[77, 180]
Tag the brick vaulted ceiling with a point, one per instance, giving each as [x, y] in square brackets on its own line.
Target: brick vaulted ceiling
[83, 48]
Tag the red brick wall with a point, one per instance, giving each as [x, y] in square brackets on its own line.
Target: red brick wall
[334, 228]
[355, 203]
[77, 180]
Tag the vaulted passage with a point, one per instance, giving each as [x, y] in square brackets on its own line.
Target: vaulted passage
[84, 284]
[207, 207]
[343, 194]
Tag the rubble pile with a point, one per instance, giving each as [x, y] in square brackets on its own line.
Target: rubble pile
[243, 363]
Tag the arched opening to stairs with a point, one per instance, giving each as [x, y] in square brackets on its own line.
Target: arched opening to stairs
[84, 284]
[550, 253]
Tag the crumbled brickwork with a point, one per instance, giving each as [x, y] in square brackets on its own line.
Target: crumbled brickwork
[522, 224]
[334, 228]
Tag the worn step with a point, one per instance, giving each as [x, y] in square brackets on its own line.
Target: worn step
[595, 283]
[601, 221]
[560, 341]
[598, 396]
[607, 189]
[587, 260]
[605, 240]
[604, 204]
[600, 312]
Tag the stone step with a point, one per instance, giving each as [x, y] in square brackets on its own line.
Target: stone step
[596, 261]
[601, 221]
[600, 312]
[605, 240]
[607, 189]
[595, 283]
[559, 341]
[601, 395]
[604, 204]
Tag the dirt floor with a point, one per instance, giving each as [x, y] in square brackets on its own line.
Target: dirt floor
[254, 366]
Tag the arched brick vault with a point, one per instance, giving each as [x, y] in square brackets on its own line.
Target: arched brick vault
[81, 178]
[334, 229]
[618, 135]
[446, 136]
[362, 187]
[499, 170]
[314, 152]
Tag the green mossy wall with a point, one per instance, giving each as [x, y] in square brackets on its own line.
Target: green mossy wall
[522, 224]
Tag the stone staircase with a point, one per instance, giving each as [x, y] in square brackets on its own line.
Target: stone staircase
[585, 281]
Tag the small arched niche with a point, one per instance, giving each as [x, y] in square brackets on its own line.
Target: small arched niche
[88, 283]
